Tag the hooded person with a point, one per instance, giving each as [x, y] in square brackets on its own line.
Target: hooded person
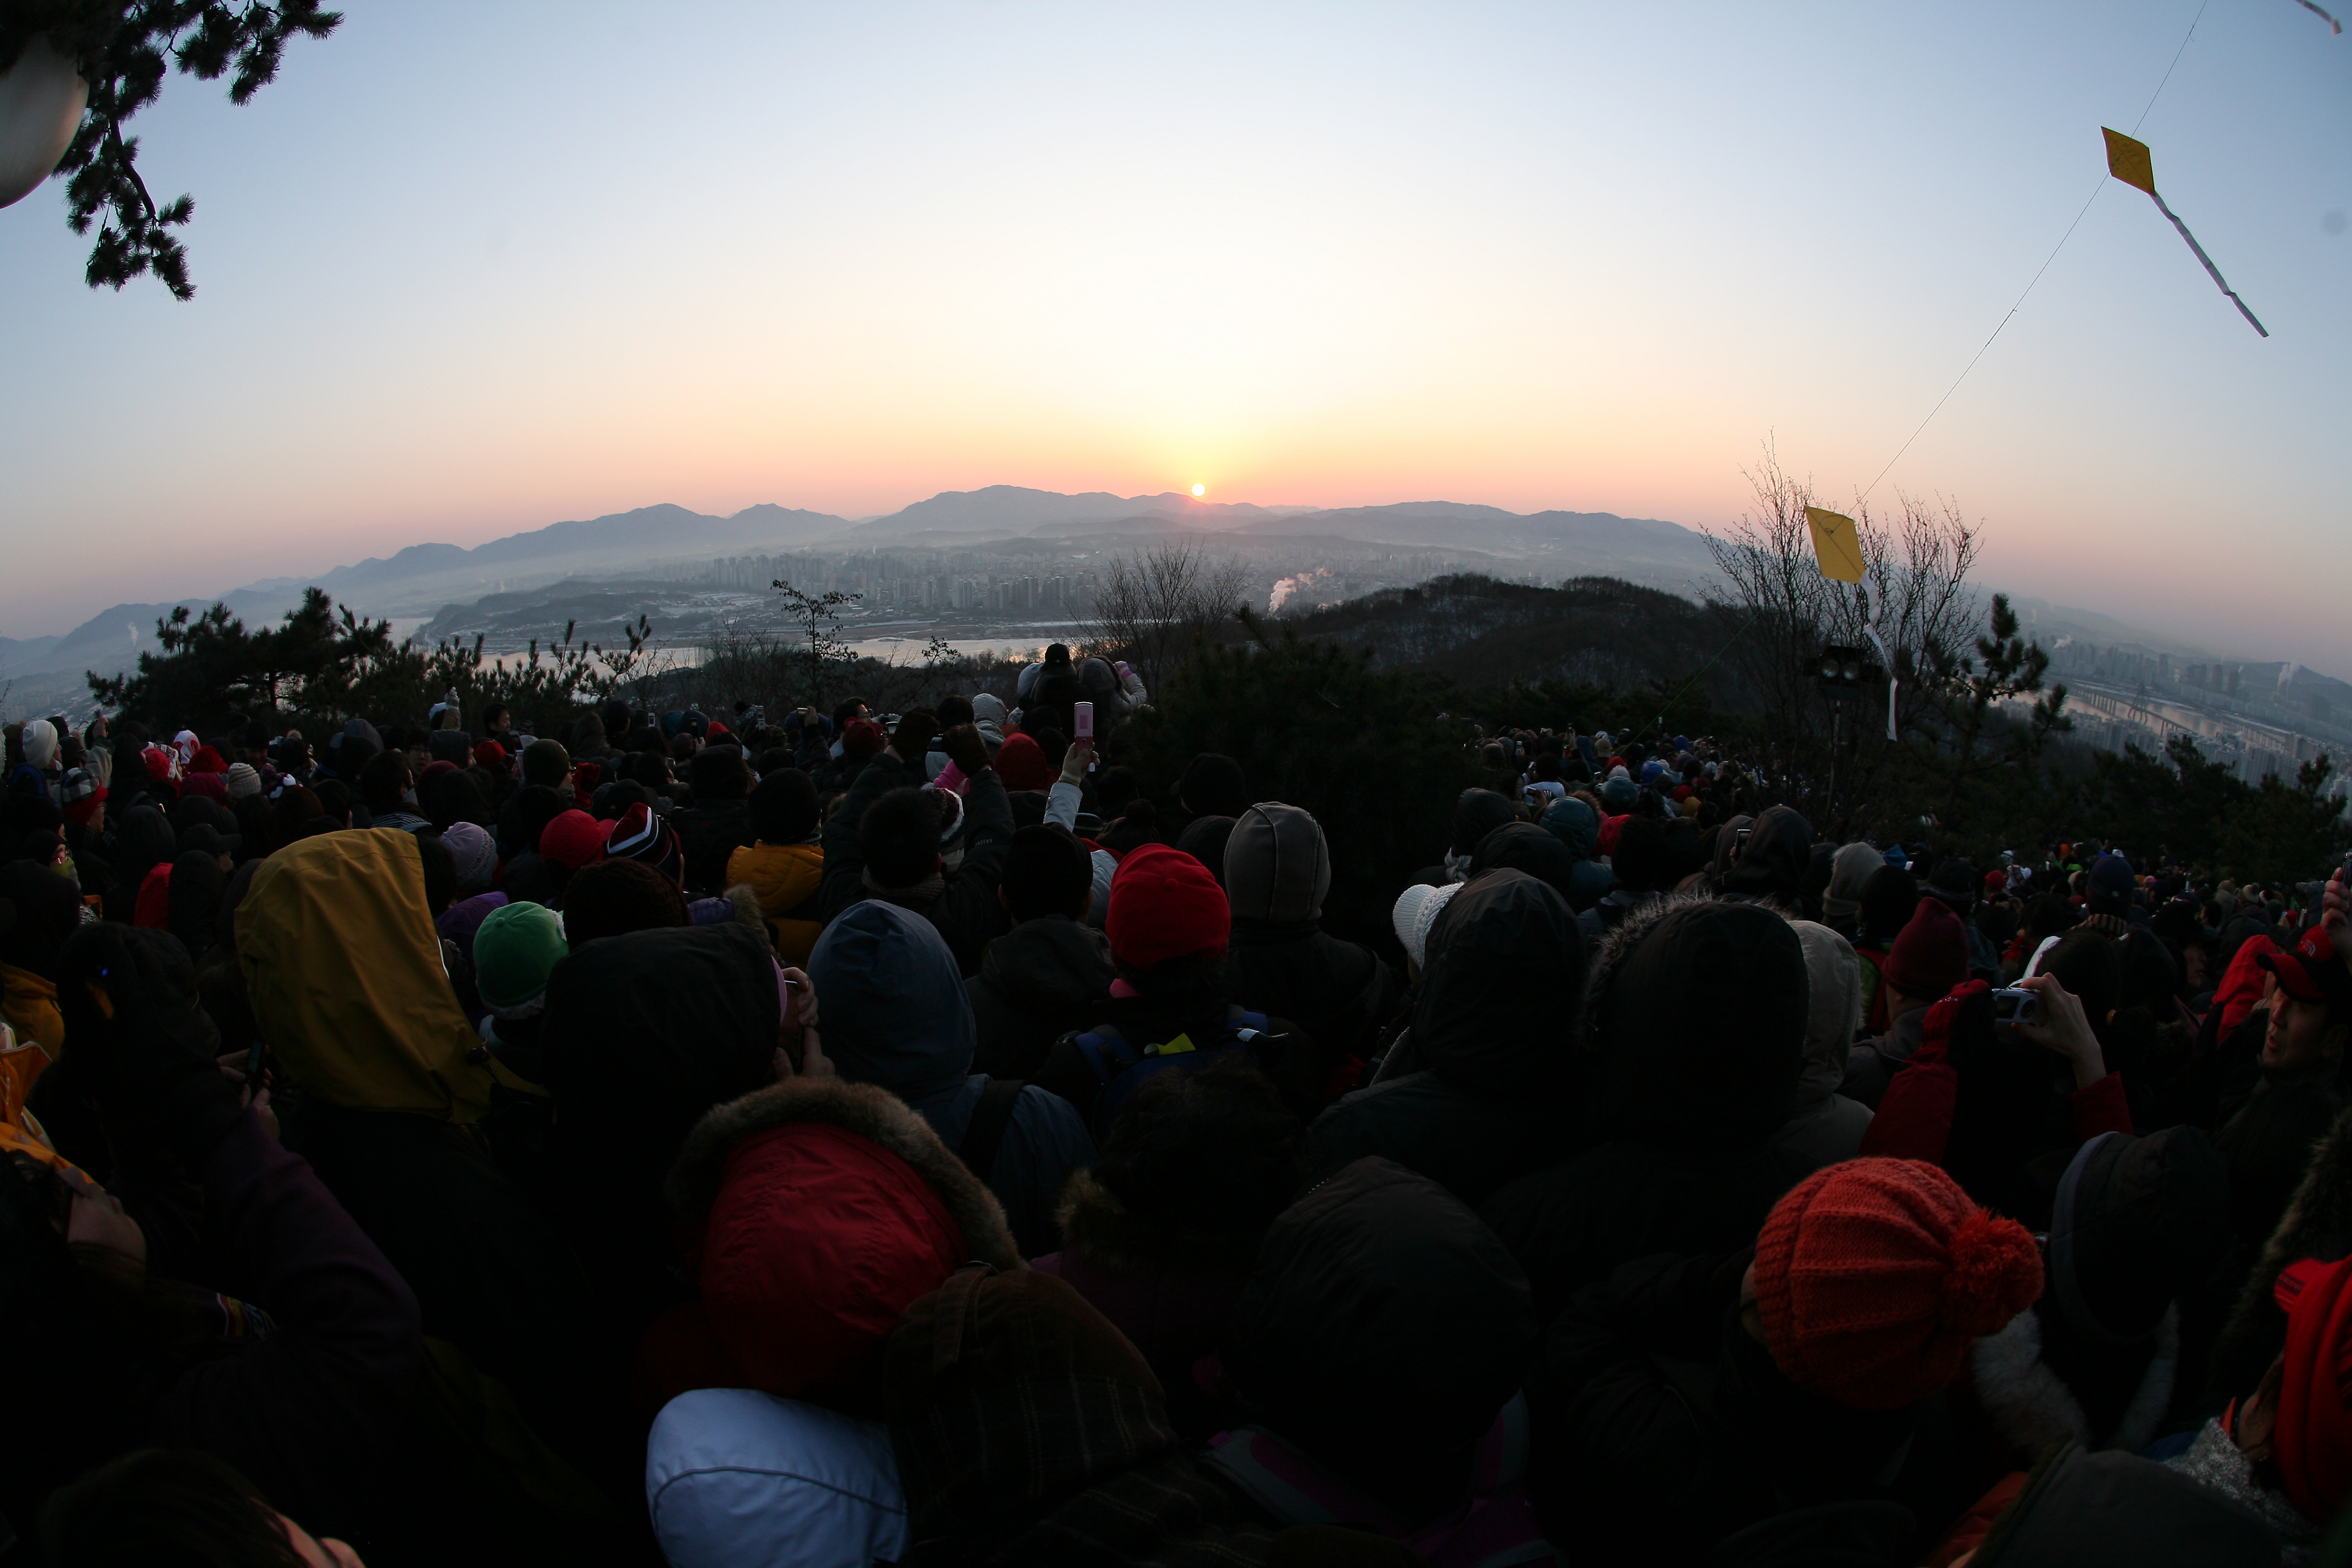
[39, 912]
[343, 971]
[1477, 813]
[1213, 784]
[1823, 1126]
[1160, 1232]
[2133, 1225]
[198, 885]
[924, 849]
[1382, 1336]
[1695, 1017]
[719, 823]
[1051, 974]
[896, 1015]
[988, 719]
[1484, 1097]
[815, 1215]
[1205, 839]
[1523, 847]
[142, 840]
[1890, 896]
[313, 1409]
[784, 864]
[1689, 1397]
[1929, 959]
[1771, 866]
[1850, 872]
[1575, 823]
[642, 1033]
[1277, 872]
[1028, 1430]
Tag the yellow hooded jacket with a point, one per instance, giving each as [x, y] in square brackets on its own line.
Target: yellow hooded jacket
[343, 967]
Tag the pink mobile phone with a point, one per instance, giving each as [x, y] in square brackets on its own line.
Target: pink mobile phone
[1082, 719]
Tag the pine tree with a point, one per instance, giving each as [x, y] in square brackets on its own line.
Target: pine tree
[121, 48]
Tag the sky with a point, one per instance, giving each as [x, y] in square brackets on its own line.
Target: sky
[467, 269]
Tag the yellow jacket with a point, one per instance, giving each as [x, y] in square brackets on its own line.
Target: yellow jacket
[29, 1003]
[785, 877]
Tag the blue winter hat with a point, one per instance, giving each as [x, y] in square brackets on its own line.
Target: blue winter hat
[1619, 795]
[2112, 884]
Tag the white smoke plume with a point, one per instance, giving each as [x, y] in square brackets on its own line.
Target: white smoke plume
[1289, 586]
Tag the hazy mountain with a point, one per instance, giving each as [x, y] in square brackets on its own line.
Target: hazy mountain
[422, 579]
[1600, 541]
[1013, 509]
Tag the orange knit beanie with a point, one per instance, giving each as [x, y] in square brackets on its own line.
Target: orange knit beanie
[1874, 1277]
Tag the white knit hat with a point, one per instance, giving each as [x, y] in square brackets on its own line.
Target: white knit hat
[1417, 909]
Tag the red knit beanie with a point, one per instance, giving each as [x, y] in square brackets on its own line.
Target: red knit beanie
[1874, 1277]
[862, 741]
[1165, 904]
[573, 840]
[1931, 955]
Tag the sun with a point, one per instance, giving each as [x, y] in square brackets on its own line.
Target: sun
[1200, 490]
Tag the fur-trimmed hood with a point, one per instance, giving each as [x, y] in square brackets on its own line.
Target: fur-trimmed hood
[1696, 1011]
[2033, 1410]
[744, 900]
[870, 1112]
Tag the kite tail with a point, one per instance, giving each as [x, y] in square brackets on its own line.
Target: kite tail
[2211, 271]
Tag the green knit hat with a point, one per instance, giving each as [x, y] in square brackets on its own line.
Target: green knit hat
[515, 952]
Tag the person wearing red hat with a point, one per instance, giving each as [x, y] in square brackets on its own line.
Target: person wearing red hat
[572, 840]
[1693, 1396]
[1169, 925]
[2285, 1450]
[1930, 958]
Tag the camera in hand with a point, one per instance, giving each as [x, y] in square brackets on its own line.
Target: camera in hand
[2012, 1005]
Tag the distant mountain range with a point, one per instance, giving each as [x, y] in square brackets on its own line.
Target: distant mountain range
[416, 581]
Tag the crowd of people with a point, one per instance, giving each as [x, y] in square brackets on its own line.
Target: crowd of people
[919, 1139]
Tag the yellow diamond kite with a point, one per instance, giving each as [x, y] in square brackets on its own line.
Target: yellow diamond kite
[1837, 544]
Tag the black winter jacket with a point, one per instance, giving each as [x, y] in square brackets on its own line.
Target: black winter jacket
[1662, 1426]
[1493, 1032]
[1040, 981]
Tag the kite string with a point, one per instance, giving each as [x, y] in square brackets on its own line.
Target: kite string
[2013, 309]
[2045, 265]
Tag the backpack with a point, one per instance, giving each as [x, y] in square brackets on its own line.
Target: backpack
[1118, 1067]
[1496, 1529]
